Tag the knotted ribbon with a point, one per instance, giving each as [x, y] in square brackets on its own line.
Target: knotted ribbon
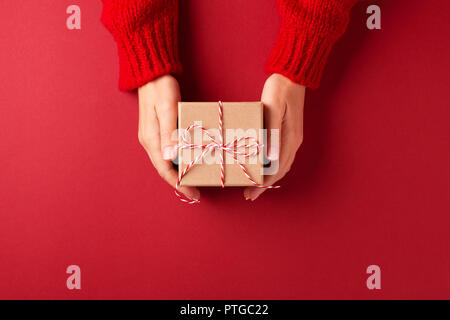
[232, 148]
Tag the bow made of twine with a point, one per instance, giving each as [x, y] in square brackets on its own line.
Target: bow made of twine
[232, 148]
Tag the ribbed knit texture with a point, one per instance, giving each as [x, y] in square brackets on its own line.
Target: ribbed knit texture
[309, 29]
[146, 36]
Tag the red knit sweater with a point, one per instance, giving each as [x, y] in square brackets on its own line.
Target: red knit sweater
[146, 35]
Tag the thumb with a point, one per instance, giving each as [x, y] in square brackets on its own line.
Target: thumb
[167, 115]
[273, 117]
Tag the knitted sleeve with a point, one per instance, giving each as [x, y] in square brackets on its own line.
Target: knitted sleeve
[309, 29]
[146, 36]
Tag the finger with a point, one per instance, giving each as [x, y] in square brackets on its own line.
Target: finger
[170, 175]
[166, 170]
[252, 193]
[167, 115]
[273, 118]
[287, 155]
[149, 137]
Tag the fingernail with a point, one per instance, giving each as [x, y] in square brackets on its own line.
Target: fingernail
[168, 153]
[273, 153]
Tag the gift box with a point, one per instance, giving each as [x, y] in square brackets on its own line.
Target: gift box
[201, 125]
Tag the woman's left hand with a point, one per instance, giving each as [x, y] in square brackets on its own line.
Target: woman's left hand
[283, 111]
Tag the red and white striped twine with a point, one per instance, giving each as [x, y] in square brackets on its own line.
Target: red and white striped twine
[218, 145]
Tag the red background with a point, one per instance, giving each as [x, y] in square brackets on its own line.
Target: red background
[369, 186]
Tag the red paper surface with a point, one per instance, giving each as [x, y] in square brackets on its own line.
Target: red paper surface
[369, 186]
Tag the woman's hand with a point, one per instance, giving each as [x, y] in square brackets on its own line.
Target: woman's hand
[158, 111]
[283, 110]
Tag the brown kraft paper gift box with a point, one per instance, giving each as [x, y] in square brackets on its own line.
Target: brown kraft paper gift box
[244, 119]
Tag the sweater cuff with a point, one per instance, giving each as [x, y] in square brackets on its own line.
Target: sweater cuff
[308, 32]
[148, 54]
[147, 41]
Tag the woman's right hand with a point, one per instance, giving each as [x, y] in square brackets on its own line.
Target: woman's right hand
[158, 111]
